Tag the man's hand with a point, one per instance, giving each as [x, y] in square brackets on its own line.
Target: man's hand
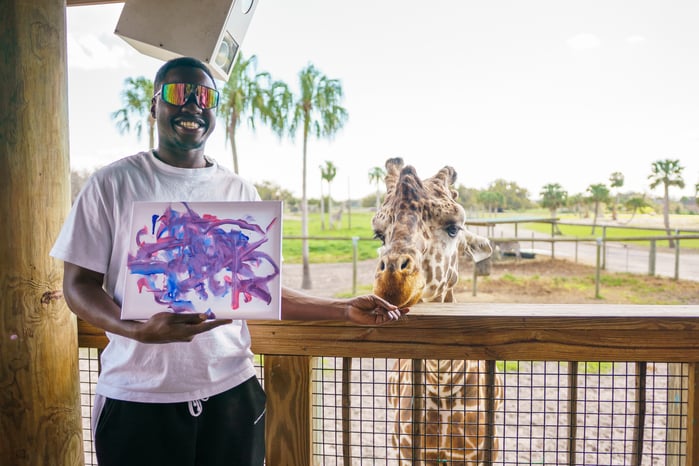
[372, 310]
[166, 327]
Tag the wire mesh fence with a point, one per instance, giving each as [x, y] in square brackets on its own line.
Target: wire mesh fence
[548, 412]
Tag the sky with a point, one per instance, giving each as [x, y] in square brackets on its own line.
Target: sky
[529, 91]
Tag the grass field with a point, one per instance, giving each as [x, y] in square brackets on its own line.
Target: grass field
[624, 231]
[330, 250]
[340, 249]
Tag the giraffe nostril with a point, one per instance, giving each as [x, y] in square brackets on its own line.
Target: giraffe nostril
[382, 266]
[405, 263]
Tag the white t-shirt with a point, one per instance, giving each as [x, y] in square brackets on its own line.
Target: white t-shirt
[95, 236]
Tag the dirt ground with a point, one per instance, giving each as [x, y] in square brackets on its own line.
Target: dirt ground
[539, 280]
[545, 280]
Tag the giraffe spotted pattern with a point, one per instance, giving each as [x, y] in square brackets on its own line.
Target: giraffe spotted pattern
[422, 230]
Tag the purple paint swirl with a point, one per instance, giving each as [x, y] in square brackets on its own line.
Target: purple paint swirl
[195, 256]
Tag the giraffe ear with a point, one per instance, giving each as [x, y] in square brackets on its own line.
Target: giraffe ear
[478, 247]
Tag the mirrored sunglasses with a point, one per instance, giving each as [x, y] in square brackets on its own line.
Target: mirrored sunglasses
[179, 93]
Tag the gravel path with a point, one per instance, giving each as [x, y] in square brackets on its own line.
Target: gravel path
[329, 280]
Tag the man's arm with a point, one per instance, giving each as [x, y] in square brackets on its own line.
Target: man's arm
[365, 310]
[85, 296]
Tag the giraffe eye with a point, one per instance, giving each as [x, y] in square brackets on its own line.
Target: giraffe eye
[379, 236]
[452, 230]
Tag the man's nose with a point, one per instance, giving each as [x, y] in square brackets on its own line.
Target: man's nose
[191, 104]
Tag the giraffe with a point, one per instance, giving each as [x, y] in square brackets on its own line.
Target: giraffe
[421, 227]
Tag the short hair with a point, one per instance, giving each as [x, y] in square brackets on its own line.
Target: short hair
[190, 62]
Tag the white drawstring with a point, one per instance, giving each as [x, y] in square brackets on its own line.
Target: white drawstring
[195, 407]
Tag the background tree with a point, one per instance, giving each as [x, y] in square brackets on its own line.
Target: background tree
[376, 176]
[668, 173]
[490, 200]
[135, 114]
[270, 191]
[616, 180]
[317, 111]
[255, 95]
[636, 204]
[599, 194]
[553, 197]
[468, 198]
[512, 196]
[327, 173]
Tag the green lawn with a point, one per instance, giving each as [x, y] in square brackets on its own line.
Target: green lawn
[585, 231]
[340, 250]
[323, 251]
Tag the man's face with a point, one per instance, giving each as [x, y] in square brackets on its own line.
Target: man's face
[185, 127]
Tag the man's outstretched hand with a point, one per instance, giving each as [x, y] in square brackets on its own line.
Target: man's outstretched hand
[372, 310]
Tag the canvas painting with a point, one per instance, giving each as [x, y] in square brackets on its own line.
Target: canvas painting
[222, 259]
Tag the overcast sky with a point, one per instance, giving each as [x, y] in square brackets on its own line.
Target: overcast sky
[533, 92]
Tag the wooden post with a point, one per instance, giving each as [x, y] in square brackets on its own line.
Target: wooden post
[693, 415]
[288, 422]
[597, 269]
[651, 258]
[677, 255]
[677, 402]
[604, 248]
[355, 255]
[40, 416]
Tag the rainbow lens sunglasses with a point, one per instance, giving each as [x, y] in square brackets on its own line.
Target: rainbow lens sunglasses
[179, 93]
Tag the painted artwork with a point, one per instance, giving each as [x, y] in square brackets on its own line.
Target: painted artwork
[222, 259]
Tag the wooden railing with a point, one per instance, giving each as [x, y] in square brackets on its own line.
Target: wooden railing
[492, 332]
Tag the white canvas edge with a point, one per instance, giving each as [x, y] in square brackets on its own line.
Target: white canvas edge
[247, 311]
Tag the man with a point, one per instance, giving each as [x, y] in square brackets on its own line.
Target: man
[176, 389]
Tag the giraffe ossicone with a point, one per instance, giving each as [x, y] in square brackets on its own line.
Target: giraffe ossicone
[422, 230]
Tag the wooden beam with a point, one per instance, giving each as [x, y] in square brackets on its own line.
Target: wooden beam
[40, 416]
[563, 332]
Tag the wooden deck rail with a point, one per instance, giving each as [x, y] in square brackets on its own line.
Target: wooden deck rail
[553, 332]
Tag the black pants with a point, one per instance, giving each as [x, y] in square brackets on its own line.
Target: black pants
[227, 429]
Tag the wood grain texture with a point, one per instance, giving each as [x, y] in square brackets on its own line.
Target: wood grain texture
[288, 423]
[492, 331]
[40, 416]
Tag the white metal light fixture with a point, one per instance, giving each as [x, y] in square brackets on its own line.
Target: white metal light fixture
[210, 30]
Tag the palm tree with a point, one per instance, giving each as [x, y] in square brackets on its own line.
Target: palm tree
[318, 112]
[599, 193]
[328, 173]
[616, 180]
[376, 175]
[255, 95]
[553, 197]
[667, 172]
[579, 204]
[135, 114]
[635, 204]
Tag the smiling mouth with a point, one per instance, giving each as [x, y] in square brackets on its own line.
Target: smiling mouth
[189, 125]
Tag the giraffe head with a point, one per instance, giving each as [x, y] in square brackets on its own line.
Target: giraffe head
[422, 230]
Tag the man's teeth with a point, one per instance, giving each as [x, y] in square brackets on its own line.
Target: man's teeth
[189, 124]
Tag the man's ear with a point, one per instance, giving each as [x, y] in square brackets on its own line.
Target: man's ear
[152, 107]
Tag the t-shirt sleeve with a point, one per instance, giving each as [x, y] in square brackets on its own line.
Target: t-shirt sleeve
[86, 236]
